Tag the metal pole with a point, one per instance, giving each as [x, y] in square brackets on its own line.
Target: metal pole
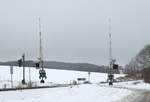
[23, 62]
[11, 73]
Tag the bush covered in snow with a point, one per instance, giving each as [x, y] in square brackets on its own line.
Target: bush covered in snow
[141, 61]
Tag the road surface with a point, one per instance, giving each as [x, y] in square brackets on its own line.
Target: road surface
[139, 95]
[143, 96]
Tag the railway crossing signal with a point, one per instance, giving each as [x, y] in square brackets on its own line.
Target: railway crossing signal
[20, 62]
[115, 66]
[40, 65]
[37, 65]
[112, 65]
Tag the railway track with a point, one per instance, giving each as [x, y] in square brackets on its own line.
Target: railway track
[38, 87]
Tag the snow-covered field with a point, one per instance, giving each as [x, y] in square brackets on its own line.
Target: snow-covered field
[53, 76]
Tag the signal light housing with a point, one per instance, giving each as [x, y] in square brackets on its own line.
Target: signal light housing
[20, 62]
[115, 66]
[37, 65]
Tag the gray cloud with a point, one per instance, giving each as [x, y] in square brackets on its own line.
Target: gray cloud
[74, 30]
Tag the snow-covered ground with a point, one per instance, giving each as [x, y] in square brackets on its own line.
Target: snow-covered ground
[95, 92]
[82, 93]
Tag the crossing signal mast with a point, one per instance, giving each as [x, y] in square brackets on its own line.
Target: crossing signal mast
[41, 62]
[112, 65]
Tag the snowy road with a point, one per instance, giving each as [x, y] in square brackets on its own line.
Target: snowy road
[143, 96]
[138, 95]
[141, 91]
[146, 97]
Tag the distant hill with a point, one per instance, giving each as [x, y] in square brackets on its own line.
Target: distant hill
[62, 66]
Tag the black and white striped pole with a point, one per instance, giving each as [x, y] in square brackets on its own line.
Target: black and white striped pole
[110, 74]
[42, 72]
[112, 65]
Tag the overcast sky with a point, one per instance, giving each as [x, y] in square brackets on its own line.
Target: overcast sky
[74, 30]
